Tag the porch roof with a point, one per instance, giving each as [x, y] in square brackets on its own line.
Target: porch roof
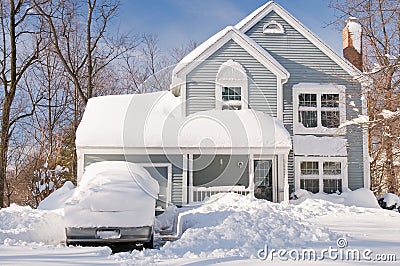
[155, 120]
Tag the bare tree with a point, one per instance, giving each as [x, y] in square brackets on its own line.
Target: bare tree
[19, 33]
[149, 68]
[83, 56]
[380, 20]
[178, 53]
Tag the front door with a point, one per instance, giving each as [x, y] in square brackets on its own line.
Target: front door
[263, 179]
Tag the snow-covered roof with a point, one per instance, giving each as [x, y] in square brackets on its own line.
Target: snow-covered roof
[108, 119]
[311, 145]
[203, 51]
[156, 120]
[242, 128]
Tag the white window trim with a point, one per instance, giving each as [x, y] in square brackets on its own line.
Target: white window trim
[344, 176]
[319, 89]
[226, 81]
[280, 29]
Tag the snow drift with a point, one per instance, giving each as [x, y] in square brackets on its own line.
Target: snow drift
[360, 197]
[21, 225]
[233, 225]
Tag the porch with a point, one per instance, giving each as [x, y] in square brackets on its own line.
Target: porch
[262, 176]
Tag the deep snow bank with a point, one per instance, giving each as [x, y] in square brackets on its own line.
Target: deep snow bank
[234, 225]
[22, 225]
[360, 197]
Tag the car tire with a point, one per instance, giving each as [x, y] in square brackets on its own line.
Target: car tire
[150, 244]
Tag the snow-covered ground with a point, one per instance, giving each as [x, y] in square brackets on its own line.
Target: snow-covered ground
[228, 229]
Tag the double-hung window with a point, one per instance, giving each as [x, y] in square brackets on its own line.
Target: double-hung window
[318, 108]
[330, 112]
[308, 110]
[309, 176]
[319, 174]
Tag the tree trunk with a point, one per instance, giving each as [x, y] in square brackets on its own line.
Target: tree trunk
[9, 98]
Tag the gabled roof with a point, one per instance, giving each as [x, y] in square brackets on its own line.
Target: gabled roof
[248, 22]
[203, 51]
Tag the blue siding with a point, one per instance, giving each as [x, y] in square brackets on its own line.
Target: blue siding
[200, 87]
[306, 63]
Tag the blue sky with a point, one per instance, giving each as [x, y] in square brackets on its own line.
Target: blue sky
[178, 21]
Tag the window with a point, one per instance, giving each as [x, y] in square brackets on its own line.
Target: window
[321, 174]
[311, 185]
[332, 186]
[318, 108]
[232, 98]
[332, 168]
[273, 27]
[308, 110]
[231, 87]
[309, 173]
[330, 113]
[309, 168]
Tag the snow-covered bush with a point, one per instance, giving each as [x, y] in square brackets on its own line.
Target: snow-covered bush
[47, 180]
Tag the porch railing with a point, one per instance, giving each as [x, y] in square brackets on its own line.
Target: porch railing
[200, 193]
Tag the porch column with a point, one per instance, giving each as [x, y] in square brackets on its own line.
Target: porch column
[185, 179]
[190, 178]
[251, 175]
[286, 181]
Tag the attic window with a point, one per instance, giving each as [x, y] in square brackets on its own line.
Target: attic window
[231, 87]
[273, 27]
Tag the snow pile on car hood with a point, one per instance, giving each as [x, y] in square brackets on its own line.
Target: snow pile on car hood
[361, 197]
[23, 225]
[113, 193]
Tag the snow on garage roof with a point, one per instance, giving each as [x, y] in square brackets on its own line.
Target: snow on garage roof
[156, 120]
[106, 118]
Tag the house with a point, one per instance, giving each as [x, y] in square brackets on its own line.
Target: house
[256, 109]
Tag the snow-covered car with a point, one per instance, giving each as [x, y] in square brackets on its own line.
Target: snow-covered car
[113, 203]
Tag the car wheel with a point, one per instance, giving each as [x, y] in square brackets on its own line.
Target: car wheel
[150, 244]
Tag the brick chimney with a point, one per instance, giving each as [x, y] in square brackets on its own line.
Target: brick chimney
[352, 45]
